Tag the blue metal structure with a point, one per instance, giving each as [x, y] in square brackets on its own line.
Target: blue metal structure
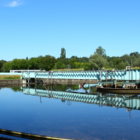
[128, 102]
[125, 75]
[7, 73]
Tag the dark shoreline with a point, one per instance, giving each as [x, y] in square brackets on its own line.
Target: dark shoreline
[118, 90]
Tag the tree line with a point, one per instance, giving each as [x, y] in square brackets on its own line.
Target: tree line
[98, 60]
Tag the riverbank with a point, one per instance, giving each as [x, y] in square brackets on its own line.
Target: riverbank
[10, 77]
[12, 82]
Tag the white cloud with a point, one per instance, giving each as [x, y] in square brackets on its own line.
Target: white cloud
[15, 3]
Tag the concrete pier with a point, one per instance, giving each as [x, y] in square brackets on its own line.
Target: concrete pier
[69, 81]
[12, 82]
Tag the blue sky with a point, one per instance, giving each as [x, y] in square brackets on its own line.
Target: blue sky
[30, 28]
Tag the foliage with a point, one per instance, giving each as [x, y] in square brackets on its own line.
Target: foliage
[100, 51]
[93, 90]
[74, 87]
[35, 63]
[48, 62]
[1, 64]
[136, 54]
[6, 67]
[59, 65]
[87, 66]
[63, 53]
[96, 61]
[121, 65]
[16, 89]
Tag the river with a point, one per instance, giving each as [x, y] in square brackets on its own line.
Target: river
[69, 112]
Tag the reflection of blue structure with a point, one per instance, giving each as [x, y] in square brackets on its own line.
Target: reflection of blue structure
[128, 102]
[95, 75]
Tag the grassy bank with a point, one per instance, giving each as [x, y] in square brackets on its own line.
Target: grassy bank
[67, 69]
[10, 77]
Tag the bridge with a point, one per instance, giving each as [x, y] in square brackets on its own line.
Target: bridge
[88, 77]
[123, 101]
[94, 75]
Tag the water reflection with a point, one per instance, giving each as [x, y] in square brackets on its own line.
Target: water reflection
[113, 100]
[70, 112]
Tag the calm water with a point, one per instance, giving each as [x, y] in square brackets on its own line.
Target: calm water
[45, 111]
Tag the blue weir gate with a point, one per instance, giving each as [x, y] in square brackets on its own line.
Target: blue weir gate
[119, 75]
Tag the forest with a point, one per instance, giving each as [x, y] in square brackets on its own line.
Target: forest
[99, 60]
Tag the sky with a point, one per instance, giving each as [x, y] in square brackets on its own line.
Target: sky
[30, 28]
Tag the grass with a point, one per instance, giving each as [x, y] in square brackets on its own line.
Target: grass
[80, 69]
[136, 68]
[109, 68]
[10, 77]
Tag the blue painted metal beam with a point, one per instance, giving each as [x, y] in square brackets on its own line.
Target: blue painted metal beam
[126, 75]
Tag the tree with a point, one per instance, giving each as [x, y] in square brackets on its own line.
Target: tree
[34, 63]
[23, 64]
[59, 65]
[110, 64]
[48, 62]
[126, 63]
[121, 65]
[77, 64]
[87, 66]
[136, 54]
[1, 64]
[84, 59]
[63, 53]
[6, 67]
[16, 64]
[125, 57]
[96, 61]
[100, 51]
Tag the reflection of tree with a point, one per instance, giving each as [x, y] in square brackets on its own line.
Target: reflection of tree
[61, 87]
[93, 90]
[16, 89]
[74, 87]
[69, 102]
[63, 100]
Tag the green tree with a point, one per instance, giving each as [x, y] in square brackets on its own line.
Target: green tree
[125, 57]
[96, 61]
[63, 53]
[6, 67]
[1, 64]
[59, 65]
[15, 64]
[136, 63]
[100, 51]
[126, 63]
[136, 54]
[84, 59]
[111, 64]
[48, 62]
[23, 64]
[77, 64]
[87, 66]
[35, 63]
[121, 65]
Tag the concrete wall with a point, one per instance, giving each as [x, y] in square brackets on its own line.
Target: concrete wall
[11, 82]
[69, 81]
